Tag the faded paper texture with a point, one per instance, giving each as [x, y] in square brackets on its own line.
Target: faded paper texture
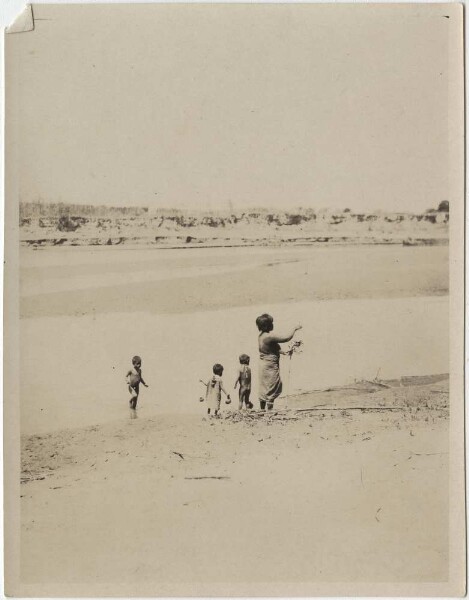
[175, 172]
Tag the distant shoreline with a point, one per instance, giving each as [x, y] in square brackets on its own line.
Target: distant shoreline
[62, 225]
[181, 243]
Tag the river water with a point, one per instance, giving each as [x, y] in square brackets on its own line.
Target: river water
[73, 365]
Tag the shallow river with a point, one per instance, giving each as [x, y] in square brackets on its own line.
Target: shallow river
[73, 366]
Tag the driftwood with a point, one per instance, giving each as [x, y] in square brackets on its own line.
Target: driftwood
[209, 477]
[353, 408]
[378, 383]
[339, 388]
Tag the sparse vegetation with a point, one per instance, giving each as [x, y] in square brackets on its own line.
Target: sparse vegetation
[86, 224]
[443, 206]
[67, 223]
[33, 210]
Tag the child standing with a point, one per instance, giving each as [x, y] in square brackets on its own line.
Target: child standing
[133, 378]
[214, 390]
[244, 380]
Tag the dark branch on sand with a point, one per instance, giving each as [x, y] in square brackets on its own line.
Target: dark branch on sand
[353, 408]
[378, 383]
[208, 477]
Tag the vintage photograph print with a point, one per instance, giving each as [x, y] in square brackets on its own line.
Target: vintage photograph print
[234, 300]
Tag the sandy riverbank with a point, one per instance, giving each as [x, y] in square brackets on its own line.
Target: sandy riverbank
[157, 504]
[79, 281]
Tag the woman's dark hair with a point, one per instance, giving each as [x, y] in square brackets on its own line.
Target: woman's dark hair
[218, 369]
[244, 359]
[265, 323]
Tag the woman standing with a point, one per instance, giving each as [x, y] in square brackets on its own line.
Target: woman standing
[270, 384]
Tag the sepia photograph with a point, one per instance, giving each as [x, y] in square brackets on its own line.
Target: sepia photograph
[233, 323]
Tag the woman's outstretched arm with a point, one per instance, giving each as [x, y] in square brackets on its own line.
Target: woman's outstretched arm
[281, 339]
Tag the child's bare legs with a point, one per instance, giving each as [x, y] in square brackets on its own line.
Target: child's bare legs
[241, 399]
[133, 397]
[244, 398]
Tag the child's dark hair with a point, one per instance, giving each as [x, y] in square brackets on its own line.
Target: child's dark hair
[244, 359]
[265, 323]
[218, 369]
[136, 359]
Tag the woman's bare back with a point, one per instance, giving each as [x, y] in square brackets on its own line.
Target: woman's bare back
[268, 344]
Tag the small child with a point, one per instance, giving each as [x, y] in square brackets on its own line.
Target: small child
[244, 380]
[134, 378]
[214, 390]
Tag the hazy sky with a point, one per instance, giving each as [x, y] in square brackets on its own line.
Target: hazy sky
[208, 105]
